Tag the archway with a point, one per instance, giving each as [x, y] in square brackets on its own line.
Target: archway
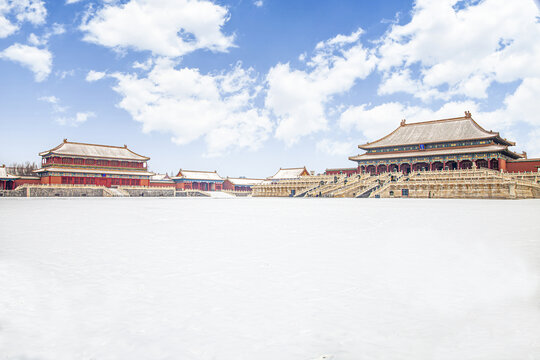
[362, 169]
[381, 169]
[420, 166]
[450, 165]
[393, 168]
[494, 164]
[481, 163]
[437, 166]
[465, 164]
[405, 168]
[371, 169]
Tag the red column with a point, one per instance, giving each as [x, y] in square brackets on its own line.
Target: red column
[502, 164]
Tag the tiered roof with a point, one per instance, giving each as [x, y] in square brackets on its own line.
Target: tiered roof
[289, 173]
[436, 131]
[198, 175]
[68, 148]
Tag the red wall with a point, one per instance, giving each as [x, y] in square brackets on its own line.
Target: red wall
[160, 184]
[523, 165]
[20, 182]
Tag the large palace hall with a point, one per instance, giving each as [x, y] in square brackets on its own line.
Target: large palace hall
[448, 144]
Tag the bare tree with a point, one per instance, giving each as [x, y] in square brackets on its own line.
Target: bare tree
[22, 169]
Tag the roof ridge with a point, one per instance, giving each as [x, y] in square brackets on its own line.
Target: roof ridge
[437, 120]
[80, 143]
[204, 171]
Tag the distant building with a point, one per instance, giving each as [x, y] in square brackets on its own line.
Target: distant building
[7, 181]
[289, 174]
[240, 184]
[342, 171]
[198, 180]
[161, 180]
[92, 164]
[455, 143]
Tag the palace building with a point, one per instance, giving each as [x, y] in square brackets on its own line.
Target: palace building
[456, 143]
[161, 180]
[288, 174]
[92, 164]
[7, 180]
[198, 180]
[240, 184]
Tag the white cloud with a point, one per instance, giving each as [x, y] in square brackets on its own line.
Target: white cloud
[50, 99]
[76, 120]
[72, 1]
[164, 27]
[336, 148]
[14, 12]
[459, 48]
[299, 98]
[55, 102]
[37, 60]
[519, 110]
[258, 3]
[144, 65]
[64, 74]
[56, 29]
[191, 105]
[95, 75]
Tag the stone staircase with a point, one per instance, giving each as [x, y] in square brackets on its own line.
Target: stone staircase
[116, 192]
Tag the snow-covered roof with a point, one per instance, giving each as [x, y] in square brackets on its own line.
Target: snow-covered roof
[455, 129]
[94, 151]
[290, 173]
[94, 171]
[434, 152]
[5, 176]
[161, 178]
[198, 175]
[245, 181]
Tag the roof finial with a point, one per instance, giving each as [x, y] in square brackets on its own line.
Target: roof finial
[65, 140]
[467, 114]
[125, 146]
[524, 154]
[403, 122]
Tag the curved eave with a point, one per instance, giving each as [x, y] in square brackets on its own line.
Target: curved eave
[435, 152]
[504, 141]
[494, 136]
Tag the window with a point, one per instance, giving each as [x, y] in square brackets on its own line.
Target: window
[89, 162]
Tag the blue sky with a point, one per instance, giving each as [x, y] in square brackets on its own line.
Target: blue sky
[245, 87]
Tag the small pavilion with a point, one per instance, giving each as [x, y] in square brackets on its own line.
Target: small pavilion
[198, 180]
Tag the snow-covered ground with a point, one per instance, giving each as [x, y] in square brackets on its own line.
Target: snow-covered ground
[269, 279]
